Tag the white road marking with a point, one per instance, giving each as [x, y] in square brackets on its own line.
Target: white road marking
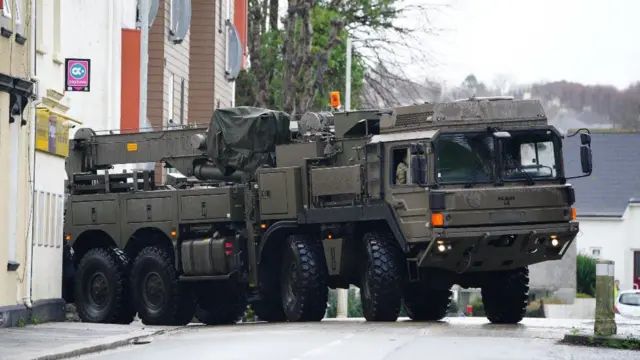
[320, 349]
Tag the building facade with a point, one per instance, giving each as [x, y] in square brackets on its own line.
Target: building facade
[17, 130]
[608, 201]
[191, 75]
[53, 121]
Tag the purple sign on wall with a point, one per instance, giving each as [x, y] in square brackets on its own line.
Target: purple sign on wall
[77, 75]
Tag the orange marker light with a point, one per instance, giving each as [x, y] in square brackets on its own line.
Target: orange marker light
[263, 226]
[437, 219]
[573, 214]
[173, 232]
[335, 99]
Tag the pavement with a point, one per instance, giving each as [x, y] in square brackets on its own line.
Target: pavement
[53, 341]
[335, 339]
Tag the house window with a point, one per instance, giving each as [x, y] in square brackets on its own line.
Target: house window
[172, 18]
[182, 94]
[171, 94]
[6, 27]
[57, 32]
[18, 13]
[6, 8]
[595, 252]
[40, 41]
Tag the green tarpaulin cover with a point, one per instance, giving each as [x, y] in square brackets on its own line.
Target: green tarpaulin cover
[244, 138]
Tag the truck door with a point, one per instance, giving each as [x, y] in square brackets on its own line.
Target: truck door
[408, 200]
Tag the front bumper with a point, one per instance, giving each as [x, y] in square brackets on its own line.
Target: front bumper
[494, 248]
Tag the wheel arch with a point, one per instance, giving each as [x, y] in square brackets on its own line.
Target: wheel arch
[91, 239]
[271, 240]
[148, 236]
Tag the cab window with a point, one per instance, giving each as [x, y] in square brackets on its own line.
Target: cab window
[400, 173]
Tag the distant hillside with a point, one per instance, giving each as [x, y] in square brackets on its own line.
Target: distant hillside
[568, 105]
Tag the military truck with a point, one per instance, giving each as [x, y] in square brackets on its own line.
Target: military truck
[402, 202]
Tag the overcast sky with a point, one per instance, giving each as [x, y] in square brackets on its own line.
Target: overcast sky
[588, 41]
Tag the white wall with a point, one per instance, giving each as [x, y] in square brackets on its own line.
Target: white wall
[93, 31]
[48, 190]
[96, 34]
[48, 226]
[617, 238]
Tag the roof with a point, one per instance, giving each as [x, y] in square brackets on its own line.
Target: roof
[403, 136]
[615, 181]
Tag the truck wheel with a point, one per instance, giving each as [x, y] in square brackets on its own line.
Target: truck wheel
[268, 306]
[505, 295]
[423, 303]
[220, 304]
[101, 292]
[158, 296]
[382, 280]
[304, 279]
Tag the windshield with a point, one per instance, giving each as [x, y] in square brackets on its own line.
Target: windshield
[631, 299]
[470, 157]
[531, 152]
[463, 158]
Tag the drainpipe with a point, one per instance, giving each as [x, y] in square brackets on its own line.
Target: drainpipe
[32, 160]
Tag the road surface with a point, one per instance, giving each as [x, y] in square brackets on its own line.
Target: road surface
[456, 338]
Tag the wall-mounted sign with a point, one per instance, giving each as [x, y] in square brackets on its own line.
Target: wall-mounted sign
[51, 134]
[77, 75]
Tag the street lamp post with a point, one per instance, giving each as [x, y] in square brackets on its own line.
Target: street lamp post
[343, 294]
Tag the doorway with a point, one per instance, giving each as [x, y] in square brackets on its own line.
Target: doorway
[636, 269]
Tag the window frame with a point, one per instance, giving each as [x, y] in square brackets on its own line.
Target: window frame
[392, 167]
[557, 148]
[436, 152]
[170, 100]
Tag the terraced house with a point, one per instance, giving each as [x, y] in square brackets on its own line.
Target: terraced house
[17, 132]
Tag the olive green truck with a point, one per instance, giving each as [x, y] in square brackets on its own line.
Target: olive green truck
[402, 203]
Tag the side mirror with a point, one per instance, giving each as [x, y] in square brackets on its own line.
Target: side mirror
[586, 161]
[418, 164]
[585, 157]
[585, 139]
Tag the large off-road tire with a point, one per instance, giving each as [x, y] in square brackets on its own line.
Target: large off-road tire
[423, 303]
[158, 295]
[220, 304]
[101, 287]
[505, 295]
[383, 277]
[304, 276]
[268, 306]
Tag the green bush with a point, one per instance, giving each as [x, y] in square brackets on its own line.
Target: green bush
[586, 275]
[453, 307]
[535, 309]
[583, 296]
[354, 308]
[477, 307]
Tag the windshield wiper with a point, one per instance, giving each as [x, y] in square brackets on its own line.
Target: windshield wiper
[519, 168]
[474, 176]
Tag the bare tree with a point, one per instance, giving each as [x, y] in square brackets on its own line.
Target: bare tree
[391, 44]
[381, 37]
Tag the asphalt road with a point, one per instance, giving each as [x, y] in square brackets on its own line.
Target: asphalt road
[456, 338]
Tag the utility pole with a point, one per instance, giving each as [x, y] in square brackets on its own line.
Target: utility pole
[343, 294]
[145, 9]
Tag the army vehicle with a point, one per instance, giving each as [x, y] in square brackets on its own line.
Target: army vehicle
[271, 216]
